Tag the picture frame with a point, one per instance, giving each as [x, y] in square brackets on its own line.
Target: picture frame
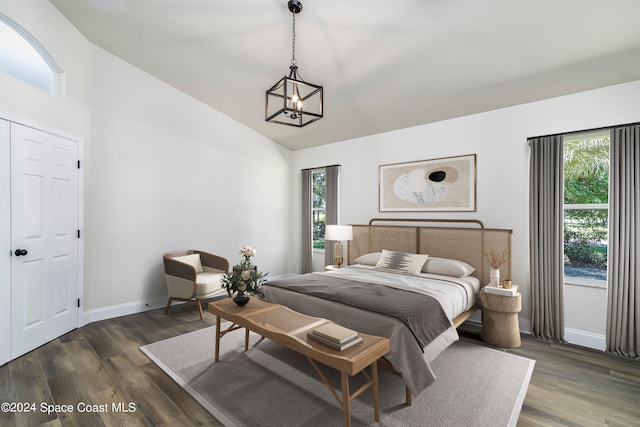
[446, 184]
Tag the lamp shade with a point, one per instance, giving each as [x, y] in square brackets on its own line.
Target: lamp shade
[338, 232]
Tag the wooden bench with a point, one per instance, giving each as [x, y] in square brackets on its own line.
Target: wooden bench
[289, 328]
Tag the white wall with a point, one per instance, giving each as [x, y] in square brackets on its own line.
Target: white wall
[585, 316]
[162, 171]
[499, 140]
[166, 172]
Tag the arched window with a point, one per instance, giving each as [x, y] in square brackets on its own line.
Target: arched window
[22, 57]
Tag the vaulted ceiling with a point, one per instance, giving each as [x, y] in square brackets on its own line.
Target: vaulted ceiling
[384, 65]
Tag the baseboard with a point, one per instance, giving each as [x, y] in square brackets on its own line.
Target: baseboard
[572, 336]
[110, 312]
[585, 339]
[525, 326]
[475, 323]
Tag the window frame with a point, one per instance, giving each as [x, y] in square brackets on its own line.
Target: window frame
[318, 209]
[577, 281]
[56, 76]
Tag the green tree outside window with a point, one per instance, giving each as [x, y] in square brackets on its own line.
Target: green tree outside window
[319, 191]
[586, 198]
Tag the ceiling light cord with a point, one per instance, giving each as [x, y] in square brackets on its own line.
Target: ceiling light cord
[294, 73]
[293, 39]
[296, 99]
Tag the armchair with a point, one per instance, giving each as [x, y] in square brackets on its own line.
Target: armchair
[193, 275]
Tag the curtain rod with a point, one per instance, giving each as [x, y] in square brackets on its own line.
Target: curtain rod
[319, 167]
[584, 130]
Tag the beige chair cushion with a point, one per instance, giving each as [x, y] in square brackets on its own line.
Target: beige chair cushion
[208, 283]
[193, 259]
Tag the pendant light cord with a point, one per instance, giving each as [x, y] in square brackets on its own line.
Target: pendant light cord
[293, 32]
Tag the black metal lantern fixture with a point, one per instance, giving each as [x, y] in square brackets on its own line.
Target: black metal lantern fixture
[292, 101]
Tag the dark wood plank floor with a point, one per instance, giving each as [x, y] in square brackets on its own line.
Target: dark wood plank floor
[99, 369]
[575, 386]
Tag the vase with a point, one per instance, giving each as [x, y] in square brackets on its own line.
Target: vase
[494, 275]
[241, 299]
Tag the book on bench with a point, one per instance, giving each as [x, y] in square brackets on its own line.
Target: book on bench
[334, 332]
[333, 344]
[335, 336]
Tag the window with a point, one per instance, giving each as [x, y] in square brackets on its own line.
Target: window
[23, 58]
[586, 208]
[318, 205]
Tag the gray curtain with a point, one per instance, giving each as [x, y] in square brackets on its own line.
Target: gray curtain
[306, 220]
[331, 207]
[623, 302]
[546, 237]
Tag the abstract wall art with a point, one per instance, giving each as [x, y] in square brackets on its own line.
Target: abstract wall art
[446, 184]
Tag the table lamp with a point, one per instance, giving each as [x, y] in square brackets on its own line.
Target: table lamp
[338, 233]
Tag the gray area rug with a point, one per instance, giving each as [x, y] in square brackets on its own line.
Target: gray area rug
[272, 386]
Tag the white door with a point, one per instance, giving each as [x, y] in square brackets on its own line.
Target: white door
[5, 243]
[44, 235]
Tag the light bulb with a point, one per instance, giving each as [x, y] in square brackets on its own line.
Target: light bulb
[299, 104]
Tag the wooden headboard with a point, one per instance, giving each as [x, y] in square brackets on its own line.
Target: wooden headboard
[462, 239]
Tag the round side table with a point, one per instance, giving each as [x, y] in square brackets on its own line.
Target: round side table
[500, 319]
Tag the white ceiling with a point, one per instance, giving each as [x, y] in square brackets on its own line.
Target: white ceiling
[384, 65]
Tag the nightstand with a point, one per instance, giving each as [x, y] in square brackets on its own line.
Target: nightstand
[500, 319]
[331, 267]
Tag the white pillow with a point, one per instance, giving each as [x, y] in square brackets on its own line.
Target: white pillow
[401, 261]
[368, 259]
[193, 259]
[447, 267]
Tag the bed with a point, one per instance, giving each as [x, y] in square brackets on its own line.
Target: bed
[417, 309]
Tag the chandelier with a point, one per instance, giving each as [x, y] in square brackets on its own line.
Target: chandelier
[292, 101]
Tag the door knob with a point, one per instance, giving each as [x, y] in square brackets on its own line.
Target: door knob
[21, 252]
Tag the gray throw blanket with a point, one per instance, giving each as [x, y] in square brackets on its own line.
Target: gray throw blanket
[422, 314]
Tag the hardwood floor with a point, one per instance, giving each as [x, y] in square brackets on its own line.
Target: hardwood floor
[99, 368]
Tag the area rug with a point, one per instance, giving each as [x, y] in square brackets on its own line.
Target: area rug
[272, 386]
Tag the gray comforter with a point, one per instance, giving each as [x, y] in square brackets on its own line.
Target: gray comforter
[422, 314]
[416, 336]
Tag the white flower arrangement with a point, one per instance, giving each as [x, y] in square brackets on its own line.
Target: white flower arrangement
[247, 252]
[244, 277]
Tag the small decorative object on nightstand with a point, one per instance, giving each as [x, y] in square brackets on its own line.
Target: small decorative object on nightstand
[500, 319]
[496, 259]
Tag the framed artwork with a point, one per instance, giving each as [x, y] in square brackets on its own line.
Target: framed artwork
[447, 184]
